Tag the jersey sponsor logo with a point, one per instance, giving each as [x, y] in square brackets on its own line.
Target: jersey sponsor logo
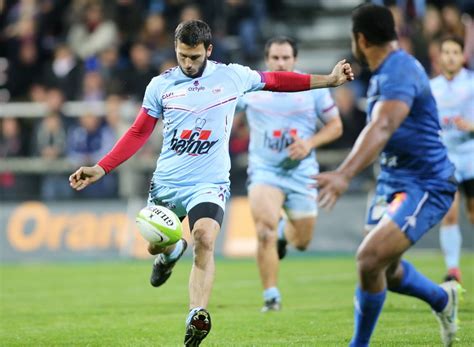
[217, 90]
[193, 142]
[449, 122]
[196, 87]
[397, 202]
[388, 160]
[173, 95]
[277, 140]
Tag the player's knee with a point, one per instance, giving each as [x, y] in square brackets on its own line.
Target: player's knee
[367, 261]
[266, 234]
[470, 216]
[393, 275]
[301, 244]
[203, 241]
[450, 219]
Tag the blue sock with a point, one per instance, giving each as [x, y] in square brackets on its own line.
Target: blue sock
[281, 229]
[271, 293]
[366, 312]
[450, 239]
[175, 253]
[415, 284]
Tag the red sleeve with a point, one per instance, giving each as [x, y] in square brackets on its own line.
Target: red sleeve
[284, 81]
[130, 142]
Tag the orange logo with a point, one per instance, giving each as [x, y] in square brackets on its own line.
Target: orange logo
[396, 202]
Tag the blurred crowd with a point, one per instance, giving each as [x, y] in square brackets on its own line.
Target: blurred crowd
[52, 51]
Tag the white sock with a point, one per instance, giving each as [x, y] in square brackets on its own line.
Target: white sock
[450, 239]
[175, 253]
[271, 293]
[281, 229]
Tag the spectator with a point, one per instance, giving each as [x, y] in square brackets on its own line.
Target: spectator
[87, 142]
[109, 68]
[23, 72]
[140, 72]
[452, 20]
[13, 144]
[92, 34]
[93, 88]
[157, 39]
[244, 18]
[64, 72]
[50, 144]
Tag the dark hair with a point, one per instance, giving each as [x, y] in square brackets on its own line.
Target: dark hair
[281, 40]
[193, 32]
[452, 38]
[375, 22]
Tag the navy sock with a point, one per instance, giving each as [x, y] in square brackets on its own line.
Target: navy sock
[366, 312]
[415, 284]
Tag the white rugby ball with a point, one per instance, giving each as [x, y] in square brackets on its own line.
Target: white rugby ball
[159, 225]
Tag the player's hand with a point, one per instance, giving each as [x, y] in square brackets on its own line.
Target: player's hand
[299, 149]
[462, 124]
[85, 176]
[341, 73]
[331, 186]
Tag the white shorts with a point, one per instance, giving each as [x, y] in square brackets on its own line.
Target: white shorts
[300, 197]
[182, 199]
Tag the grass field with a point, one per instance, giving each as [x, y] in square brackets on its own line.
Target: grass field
[112, 304]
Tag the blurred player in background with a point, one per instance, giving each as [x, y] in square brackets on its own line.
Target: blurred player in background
[454, 94]
[282, 158]
[416, 185]
[196, 101]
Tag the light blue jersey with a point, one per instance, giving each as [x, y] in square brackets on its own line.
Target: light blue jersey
[197, 115]
[455, 99]
[274, 118]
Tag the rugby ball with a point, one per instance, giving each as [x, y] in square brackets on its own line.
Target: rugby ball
[159, 225]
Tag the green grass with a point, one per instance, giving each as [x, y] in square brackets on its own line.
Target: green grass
[112, 304]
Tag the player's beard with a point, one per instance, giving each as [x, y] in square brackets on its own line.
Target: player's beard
[199, 72]
[359, 55]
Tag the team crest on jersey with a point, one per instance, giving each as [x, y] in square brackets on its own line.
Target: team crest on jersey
[277, 140]
[197, 87]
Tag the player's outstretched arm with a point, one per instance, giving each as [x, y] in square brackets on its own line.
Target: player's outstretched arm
[386, 118]
[341, 73]
[286, 81]
[133, 139]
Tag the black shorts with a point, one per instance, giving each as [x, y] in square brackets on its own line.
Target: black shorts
[468, 187]
[205, 210]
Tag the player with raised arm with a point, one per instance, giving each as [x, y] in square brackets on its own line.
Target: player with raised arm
[196, 101]
[454, 94]
[416, 184]
[282, 158]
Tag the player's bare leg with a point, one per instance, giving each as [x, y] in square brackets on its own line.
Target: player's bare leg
[380, 248]
[450, 239]
[470, 209]
[379, 267]
[299, 232]
[265, 204]
[201, 279]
